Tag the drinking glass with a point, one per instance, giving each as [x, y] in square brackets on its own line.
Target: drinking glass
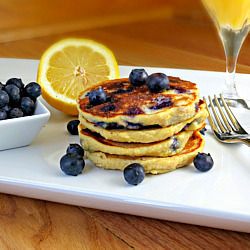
[232, 21]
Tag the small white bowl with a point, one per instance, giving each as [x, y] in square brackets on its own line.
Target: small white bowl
[19, 132]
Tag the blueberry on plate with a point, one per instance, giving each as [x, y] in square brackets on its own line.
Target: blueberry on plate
[134, 173]
[4, 98]
[72, 164]
[203, 162]
[97, 97]
[16, 81]
[138, 77]
[14, 94]
[157, 82]
[3, 115]
[75, 149]
[15, 113]
[33, 90]
[72, 127]
[27, 105]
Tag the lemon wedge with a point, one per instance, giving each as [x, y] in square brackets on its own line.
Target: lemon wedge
[71, 65]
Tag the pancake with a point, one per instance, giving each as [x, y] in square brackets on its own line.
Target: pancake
[146, 135]
[94, 142]
[133, 107]
[153, 165]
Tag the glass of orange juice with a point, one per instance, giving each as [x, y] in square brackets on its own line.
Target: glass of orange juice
[232, 21]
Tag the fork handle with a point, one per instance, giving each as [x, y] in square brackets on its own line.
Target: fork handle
[243, 137]
[245, 141]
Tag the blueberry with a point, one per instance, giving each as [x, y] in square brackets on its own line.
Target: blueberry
[1, 86]
[163, 103]
[134, 173]
[72, 164]
[175, 144]
[27, 105]
[72, 127]
[14, 94]
[16, 81]
[113, 125]
[108, 107]
[75, 149]
[203, 162]
[97, 97]
[3, 115]
[15, 113]
[131, 125]
[203, 130]
[4, 98]
[157, 82]
[33, 90]
[6, 108]
[138, 77]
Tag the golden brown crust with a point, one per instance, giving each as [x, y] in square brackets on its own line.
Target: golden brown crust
[128, 99]
[129, 104]
[94, 142]
[147, 135]
[153, 165]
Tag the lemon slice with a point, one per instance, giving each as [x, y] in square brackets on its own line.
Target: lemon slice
[71, 65]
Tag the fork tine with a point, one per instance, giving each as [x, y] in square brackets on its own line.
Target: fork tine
[210, 117]
[231, 115]
[216, 116]
[222, 114]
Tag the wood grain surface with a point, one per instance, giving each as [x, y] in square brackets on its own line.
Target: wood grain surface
[161, 33]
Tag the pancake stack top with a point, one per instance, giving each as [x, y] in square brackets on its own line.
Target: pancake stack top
[135, 125]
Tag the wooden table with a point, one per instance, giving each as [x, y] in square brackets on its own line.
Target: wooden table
[164, 33]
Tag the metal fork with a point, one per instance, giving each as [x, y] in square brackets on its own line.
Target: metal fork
[225, 126]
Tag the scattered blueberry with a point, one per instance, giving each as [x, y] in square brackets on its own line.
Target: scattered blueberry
[72, 127]
[138, 77]
[14, 94]
[134, 173]
[33, 90]
[15, 113]
[72, 164]
[203, 130]
[203, 162]
[97, 97]
[3, 115]
[157, 82]
[16, 81]
[4, 98]
[75, 149]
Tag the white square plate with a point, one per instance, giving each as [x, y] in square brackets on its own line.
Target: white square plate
[218, 198]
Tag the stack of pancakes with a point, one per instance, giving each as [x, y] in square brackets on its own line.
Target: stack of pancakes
[158, 130]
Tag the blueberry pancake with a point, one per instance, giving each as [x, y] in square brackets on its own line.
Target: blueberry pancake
[153, 165]
[153, 134]
[135, 107]
[173, 145]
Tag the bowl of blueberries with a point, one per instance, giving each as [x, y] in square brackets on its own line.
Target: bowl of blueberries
[22, 115]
